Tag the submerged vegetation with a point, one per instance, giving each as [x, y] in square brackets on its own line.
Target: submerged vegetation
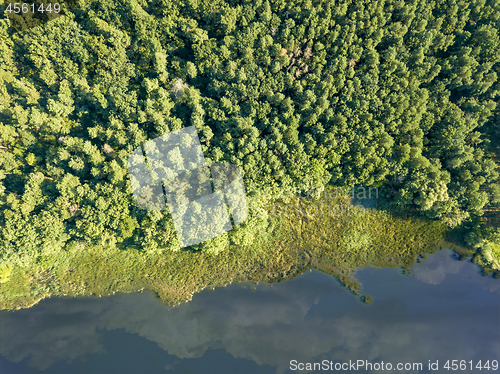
[397, 95]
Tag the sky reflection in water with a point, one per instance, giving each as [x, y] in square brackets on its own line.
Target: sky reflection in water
[446, 310]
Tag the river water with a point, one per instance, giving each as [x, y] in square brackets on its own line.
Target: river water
[445, 310]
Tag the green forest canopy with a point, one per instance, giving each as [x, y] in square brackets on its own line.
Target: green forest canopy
[400, 95]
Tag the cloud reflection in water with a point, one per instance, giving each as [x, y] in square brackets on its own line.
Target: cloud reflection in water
[445, 311]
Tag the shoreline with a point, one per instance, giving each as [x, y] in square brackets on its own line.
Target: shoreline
[292, 243]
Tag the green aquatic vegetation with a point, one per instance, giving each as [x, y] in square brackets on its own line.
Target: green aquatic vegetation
[495, 249]
[356, 241]
[285, 246]
[5, 272]
[367, 299]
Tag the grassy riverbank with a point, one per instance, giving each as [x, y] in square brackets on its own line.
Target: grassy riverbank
[328, 234]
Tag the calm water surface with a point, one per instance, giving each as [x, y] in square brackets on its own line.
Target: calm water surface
[445, 311]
